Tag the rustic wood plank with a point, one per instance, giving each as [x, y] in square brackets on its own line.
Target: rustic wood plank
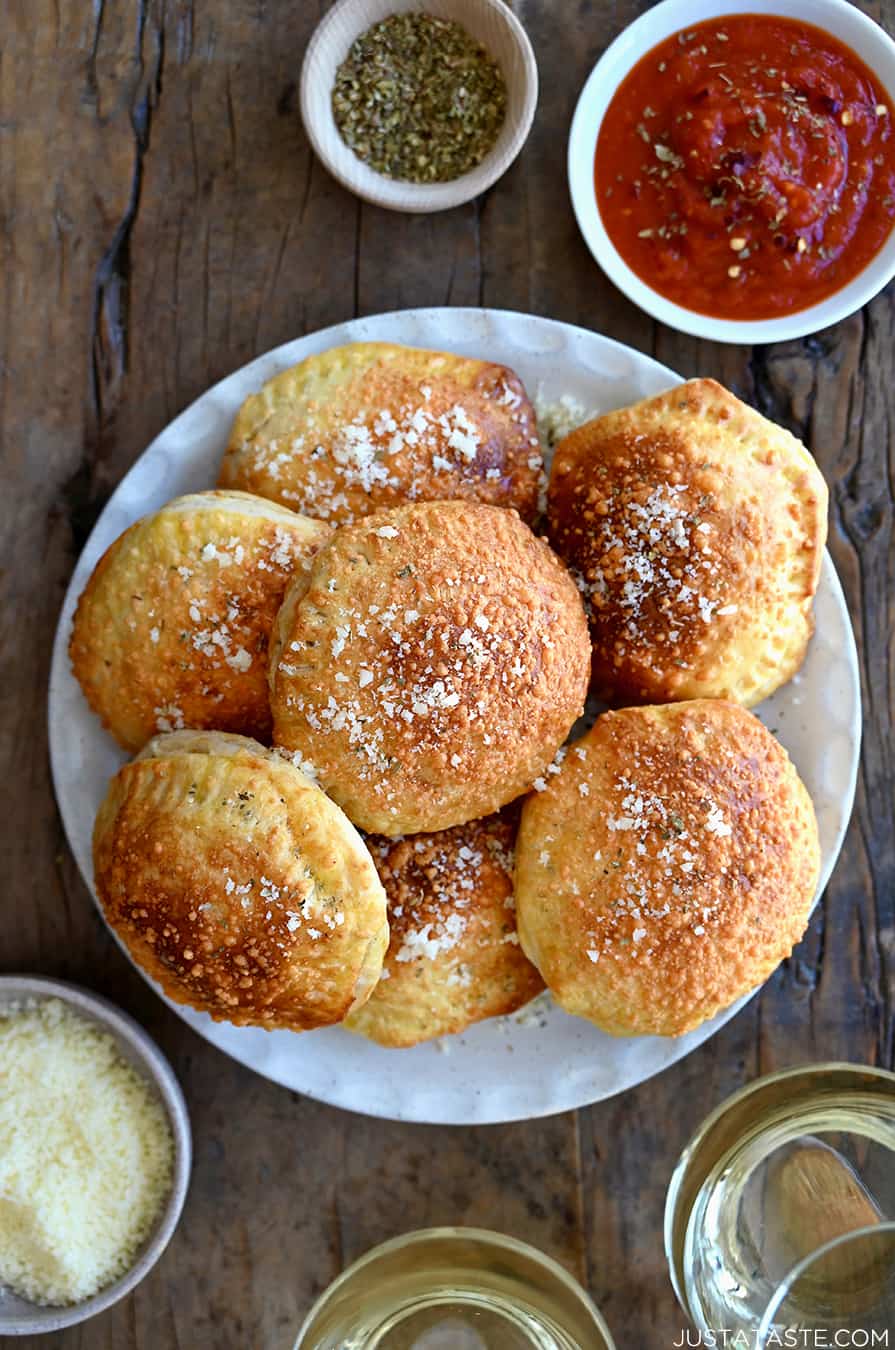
[164, 221]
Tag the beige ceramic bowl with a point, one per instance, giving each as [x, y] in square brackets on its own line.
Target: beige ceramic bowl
[492, 24]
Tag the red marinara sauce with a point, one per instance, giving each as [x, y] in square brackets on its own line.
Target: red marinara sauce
[745, 167]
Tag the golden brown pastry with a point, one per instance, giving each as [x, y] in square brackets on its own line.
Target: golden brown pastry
[238, 885]
[373, 424]
[172, 628]
[667, 868]
[696, 528]
[430, 665]
[454, 956]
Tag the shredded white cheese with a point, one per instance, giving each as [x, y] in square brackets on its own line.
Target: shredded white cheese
[557, 417]
[86, 1155]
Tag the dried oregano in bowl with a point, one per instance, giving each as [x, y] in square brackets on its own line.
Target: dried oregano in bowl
[418, 98]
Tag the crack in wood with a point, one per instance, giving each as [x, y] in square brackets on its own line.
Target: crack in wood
[774, 396]
[480, 270]
[309, 178]
[581, 1225]
[231, 120]
[109, 323]
[358, 221]
[185, 34]
[885, 941]
[814, 968]
[79, 503]
[92, 90]
[287, 103]
[450, 281]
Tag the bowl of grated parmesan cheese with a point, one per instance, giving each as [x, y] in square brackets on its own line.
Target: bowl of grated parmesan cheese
[95, 1154]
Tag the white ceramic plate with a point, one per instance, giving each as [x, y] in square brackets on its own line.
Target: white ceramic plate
[510, 1068]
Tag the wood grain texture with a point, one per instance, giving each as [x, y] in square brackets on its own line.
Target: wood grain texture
[164, 221]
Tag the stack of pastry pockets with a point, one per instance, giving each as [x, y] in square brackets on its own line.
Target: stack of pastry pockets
[419, 656]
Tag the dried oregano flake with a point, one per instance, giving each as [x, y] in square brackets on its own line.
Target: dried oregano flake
[418, 98]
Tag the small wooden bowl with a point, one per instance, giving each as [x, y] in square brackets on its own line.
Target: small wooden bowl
[492, 24]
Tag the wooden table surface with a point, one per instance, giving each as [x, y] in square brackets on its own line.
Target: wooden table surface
[163, 222]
